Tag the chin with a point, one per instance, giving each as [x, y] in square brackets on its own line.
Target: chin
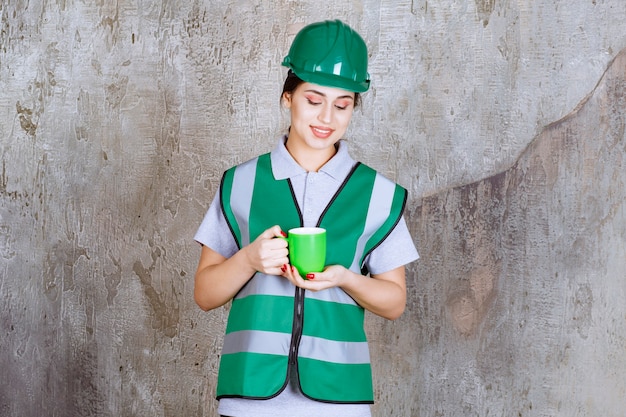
[317, 143]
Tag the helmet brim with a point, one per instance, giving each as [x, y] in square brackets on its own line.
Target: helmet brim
[334, 81]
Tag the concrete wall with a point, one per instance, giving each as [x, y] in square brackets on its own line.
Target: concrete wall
[505, 119]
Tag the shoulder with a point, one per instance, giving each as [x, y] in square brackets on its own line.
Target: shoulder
[248, 169]
[379, 178]
[249, 163]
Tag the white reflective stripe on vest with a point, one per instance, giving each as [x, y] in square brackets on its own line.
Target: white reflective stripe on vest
[333, 295]
[273, 343]
[241, 200]
[378, 211]
[334, 351]
[257, 341]
[267, 285]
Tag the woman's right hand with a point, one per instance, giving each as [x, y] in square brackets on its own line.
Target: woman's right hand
[266, 253]
[218, 279]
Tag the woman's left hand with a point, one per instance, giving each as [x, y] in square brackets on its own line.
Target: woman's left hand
[383, 294]
[333, 276]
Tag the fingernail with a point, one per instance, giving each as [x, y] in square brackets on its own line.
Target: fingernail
[310, 276]
[283, 268]
[283, 233]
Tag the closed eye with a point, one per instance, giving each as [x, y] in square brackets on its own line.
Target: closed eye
[314, 103]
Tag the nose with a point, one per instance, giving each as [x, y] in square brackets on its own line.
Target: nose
[326, 113]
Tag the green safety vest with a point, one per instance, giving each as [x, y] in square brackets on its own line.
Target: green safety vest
[273, 323]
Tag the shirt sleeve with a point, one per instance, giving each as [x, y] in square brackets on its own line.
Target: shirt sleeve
[214, 232]
[396, 250]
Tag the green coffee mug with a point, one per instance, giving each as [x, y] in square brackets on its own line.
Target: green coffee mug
[307, 249]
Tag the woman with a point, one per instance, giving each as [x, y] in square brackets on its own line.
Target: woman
[295, 346]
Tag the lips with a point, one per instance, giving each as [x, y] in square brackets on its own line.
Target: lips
[321, 132]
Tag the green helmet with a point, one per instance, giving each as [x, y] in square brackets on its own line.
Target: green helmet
[331, 54]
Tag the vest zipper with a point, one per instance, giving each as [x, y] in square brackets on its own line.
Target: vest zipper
[296, 333]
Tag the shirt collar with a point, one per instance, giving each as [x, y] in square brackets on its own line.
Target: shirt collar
[284, 166]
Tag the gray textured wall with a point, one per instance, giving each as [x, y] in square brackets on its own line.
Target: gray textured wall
[505, 119]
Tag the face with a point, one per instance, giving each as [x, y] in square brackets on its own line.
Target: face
[319, 116]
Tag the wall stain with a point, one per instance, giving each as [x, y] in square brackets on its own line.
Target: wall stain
[583, 306]
[166, 311]
[83, 383]
[6, 242]
[475, 225]
[58, 271]
[485, 9]
[83, 113]
[25, 116]
[113, 280]
[41, 89]
[115, 92]
[195, 23]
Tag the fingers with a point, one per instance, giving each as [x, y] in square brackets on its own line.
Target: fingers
[266, 253]
[291, 273]
[272, 232]
[273, 254]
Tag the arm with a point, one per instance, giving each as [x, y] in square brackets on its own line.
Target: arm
[382, 294]
[218, 279]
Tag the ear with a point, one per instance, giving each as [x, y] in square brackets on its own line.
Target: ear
[286, 98]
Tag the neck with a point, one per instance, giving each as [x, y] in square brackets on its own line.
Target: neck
[310, 159]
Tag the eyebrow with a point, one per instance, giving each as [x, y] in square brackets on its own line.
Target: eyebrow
[324, 95]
